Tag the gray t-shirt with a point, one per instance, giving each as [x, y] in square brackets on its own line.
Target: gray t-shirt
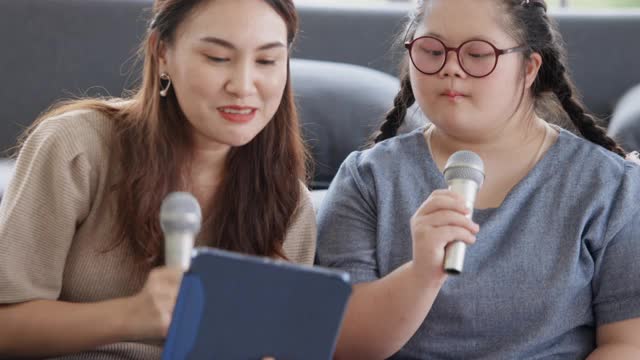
[559, 257]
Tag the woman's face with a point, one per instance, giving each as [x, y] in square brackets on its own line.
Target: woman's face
[228, 66]
[460, 105]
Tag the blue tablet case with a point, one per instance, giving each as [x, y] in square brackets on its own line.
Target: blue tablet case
[233, 306]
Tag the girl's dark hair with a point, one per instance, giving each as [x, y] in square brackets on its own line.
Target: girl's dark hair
[530, 25]
[260, 189]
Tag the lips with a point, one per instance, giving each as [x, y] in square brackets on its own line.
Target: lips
[237, 113]
[452, 93]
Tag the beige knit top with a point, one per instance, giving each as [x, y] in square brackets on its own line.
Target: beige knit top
[56, 219]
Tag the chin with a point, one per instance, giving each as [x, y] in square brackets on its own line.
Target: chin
[448, 120]
[458, 125]
[240, 139]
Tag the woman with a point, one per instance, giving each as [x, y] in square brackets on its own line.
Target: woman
[80, 240]
[553, 269]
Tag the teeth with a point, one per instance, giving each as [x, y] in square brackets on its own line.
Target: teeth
[241, 112]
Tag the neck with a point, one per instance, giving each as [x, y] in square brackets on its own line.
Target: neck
[207, 167]
[508, 141]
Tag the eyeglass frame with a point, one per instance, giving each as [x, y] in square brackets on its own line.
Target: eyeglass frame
[409, 45]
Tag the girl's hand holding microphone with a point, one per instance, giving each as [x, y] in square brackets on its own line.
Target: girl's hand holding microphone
[440, 220]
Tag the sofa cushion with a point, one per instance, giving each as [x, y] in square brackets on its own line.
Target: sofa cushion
[340, 106]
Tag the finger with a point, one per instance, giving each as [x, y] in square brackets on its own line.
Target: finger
[446, 192]
[446, 234]
[167, 275]
[165, 302]
[442, 202]
[165, 270]
[454, 233]
[447, 218]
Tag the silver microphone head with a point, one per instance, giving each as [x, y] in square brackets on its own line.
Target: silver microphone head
[180, 213]
[465, 165]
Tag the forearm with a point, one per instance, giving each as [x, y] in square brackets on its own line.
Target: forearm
[615, 351]
[45, 328]
[383, 315]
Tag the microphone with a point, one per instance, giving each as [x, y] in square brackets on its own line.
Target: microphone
[180, 219]
[464, 173]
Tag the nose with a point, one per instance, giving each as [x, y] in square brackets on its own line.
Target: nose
[452, 66]
[241, 81]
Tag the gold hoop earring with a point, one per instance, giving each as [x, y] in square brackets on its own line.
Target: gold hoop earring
[164, 90]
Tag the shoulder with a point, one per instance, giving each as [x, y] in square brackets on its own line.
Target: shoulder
[305, 201]
[389, 150]
[389, 155]
[591, 164]
[305, 215]
[300, 240]
[72, 133]
[608, 184]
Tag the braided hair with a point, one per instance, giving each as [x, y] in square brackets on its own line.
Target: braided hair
[530, 25]
[395, 117]
[405, 97]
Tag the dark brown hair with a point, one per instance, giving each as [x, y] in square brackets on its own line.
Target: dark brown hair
[261, 184]
[530, 26]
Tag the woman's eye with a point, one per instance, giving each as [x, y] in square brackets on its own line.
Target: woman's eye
[266, 62]
[217, 59]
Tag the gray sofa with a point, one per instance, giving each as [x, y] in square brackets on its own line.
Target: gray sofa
[64, 48]
[625, 121]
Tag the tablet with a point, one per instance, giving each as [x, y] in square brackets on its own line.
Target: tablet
[234, 306]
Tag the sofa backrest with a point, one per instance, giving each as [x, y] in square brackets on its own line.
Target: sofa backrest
[67, 48]
[63, 48]
[60, 49]
[340, 106]
[603, 47]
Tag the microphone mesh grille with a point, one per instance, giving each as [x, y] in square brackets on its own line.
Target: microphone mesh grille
[180, 212]
[465, 165]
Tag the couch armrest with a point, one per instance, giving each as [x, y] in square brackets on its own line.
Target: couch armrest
[624, 126]
[316, 198]
[6, 171]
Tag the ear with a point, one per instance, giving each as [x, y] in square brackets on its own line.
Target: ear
[532, 66]
[161, 51]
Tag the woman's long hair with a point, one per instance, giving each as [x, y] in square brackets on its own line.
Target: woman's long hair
[261, 182]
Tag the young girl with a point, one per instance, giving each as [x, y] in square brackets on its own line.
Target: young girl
[80, 240]
[552, 268]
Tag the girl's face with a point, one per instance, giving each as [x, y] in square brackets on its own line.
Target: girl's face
[228, 65]
[460, 105]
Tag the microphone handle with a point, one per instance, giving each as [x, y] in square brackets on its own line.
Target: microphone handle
[178, 248]
[455, 251]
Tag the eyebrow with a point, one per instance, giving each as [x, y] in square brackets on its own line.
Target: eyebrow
[430, 33]
[472, 38]
[228, 45]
